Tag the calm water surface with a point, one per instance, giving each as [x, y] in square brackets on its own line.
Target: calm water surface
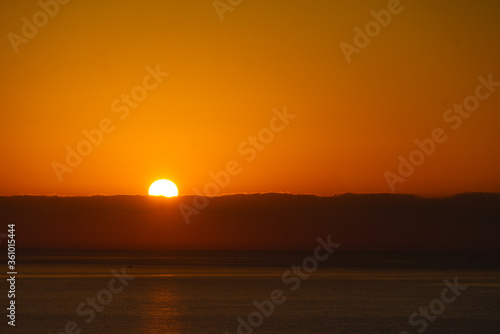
[206, 292]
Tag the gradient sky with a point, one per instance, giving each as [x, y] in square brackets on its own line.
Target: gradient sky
[226, 77]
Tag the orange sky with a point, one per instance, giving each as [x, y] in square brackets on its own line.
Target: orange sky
[225, 78]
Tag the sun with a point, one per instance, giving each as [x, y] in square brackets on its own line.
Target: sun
[163, 188]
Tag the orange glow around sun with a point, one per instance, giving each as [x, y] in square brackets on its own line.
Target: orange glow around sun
[166, 88]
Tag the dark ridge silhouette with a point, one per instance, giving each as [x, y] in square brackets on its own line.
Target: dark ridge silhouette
[272, 221]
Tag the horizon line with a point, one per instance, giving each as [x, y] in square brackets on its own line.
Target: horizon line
[259, 193]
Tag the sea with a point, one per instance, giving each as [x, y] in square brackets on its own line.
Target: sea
[194, 292]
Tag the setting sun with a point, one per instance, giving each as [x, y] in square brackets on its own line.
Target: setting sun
[163, 188]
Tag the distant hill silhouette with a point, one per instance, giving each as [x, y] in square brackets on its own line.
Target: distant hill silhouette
[271, 221]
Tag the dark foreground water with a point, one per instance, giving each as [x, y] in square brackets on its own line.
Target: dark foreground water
[206, 292]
